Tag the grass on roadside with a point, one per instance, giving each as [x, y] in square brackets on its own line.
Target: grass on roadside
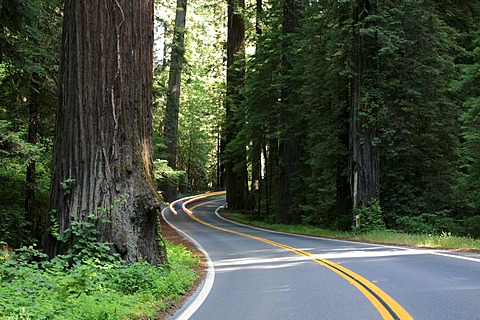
[442, 241]
[34, 288]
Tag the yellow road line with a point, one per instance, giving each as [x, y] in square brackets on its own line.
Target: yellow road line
[386, 306]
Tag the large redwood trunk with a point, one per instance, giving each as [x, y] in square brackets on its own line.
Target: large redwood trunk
[364, 154]
[104, 129]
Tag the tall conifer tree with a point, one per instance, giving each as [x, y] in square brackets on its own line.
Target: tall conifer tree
[364, 154]
[289, 144]
[235, 154]
[103, 148]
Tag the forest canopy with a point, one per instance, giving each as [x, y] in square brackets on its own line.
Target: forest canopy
[311, 112]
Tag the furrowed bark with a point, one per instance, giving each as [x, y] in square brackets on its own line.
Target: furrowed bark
[364, 172]
[103, 147]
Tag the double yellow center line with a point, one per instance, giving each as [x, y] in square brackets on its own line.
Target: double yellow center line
[386, 306]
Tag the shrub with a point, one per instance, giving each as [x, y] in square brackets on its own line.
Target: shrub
[13, 225]
[97, 285]
[371, 217]
[432, 223]
[415, 225]
[35, 288]
[167, 178]
[472, 226]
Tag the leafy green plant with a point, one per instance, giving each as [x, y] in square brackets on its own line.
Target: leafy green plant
[67, 186]
[371, 217]
[85, 248]
[415, 224]
[35, 288]
[166, 177]
[89, 282]
[83, 237]
[472, 226]
[445, 240]
[435, 223]
[3, 251]
[13, 225]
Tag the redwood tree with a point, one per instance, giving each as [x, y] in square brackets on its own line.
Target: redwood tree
[289, 144]
[364, 154]
[172, 110]
[173, 99]
[102, 148]
[235, 157]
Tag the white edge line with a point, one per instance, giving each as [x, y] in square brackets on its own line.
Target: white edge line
[209, 279]
[426, 251]
[451, 255]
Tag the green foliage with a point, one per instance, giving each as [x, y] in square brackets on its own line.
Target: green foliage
[14, 147]
[67, 185]
[324, 113]
[416, 58]
[29, 37]
[33, 287]
[439, 223]
[416, 224]
[13, 226]
[472, 226]
[15, 155]
[166, 177]
[83, 237]
[469, 181]
[202, 94]
[371, 218]
[441, 241]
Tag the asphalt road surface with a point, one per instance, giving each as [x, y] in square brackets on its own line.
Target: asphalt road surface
[256, 274]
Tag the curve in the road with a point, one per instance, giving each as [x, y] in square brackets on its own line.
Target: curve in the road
[386, 306]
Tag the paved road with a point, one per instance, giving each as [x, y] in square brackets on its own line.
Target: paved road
[264, 275]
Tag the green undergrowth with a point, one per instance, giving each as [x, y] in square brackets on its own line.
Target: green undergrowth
[434, 241]
[33, 287]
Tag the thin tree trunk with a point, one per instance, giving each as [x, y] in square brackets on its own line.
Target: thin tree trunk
[343, 203]
[103, 138]
[258, 144]
[289, 147]
[220, 185]
[32, 166]
[364, 155]
[259, 15]
[272, 172]
[174, 81]
[172, 111]
[235, 160]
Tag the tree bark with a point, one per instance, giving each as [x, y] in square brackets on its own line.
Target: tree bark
[289, 145]
[364, 154]
[259, 16]
[235, 157]
[170, 131]
[271, 174]
[103, 138]
[174, 80]
[31, 173]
